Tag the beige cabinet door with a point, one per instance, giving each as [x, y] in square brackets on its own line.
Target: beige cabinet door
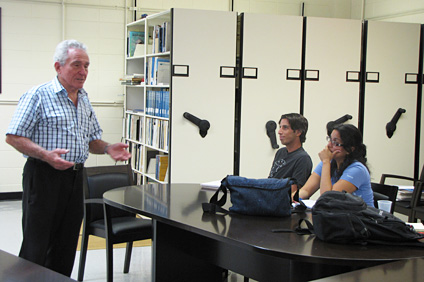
[332, 65]
[203, 83]
[392, 52]
[271, 60]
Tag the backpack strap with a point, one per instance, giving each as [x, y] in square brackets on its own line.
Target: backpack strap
[300, 208]
[214, 204]
[309, 230]
[216, 220]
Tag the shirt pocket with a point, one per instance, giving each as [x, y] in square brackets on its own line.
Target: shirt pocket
[55, 118]
[86, 122]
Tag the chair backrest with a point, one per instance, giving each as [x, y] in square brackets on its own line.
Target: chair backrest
[417, 195]
[422, 175]
[98, 180]
[389, 191]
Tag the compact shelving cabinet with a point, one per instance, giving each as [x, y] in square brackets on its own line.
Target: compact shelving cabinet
[198, 81]
[327, 68]
[292, 70]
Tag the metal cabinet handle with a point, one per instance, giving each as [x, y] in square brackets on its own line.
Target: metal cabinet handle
[203, 124]
[270, 131]
[332, 124]
[391, 125]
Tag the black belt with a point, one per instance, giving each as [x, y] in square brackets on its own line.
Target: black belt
[76, 166]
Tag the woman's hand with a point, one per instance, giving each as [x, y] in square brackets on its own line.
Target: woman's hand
[326, 154]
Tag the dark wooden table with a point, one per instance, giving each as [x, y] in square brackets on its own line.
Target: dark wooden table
[189, 245]
[411, 270]
[13, 268]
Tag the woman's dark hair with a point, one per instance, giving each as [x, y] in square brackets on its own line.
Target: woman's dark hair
[352, 143]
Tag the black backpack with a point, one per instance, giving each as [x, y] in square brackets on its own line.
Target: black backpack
[341, 217]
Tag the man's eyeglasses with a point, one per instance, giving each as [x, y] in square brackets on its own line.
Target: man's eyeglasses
[335, 143]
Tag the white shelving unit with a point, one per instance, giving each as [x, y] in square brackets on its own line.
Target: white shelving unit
[146, 122]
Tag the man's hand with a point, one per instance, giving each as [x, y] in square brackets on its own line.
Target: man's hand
[29, 148]
[118, 151]
[54, 159]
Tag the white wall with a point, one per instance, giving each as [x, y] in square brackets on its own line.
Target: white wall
[395, 10]
[316, 8]
[30, 32]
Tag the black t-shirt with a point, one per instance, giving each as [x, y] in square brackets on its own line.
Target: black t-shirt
[297, 165]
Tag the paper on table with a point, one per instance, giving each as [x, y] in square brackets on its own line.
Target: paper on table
[418, 226]
[405, 193]
[309, 203]
[406, 187]
[211, 185]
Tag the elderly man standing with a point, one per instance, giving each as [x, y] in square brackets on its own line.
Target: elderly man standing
[55, 127]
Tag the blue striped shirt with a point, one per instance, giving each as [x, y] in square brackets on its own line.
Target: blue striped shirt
[50, 119]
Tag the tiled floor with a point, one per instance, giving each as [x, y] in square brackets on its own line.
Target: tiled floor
[95, 268]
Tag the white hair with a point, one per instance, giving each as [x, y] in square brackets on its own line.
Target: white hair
[61, 53]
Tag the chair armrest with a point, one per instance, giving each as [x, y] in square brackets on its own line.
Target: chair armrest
[379, 196]
[384, 176]
[94, 201]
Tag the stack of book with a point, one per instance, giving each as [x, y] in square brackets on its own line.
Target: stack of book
[158, 71]
[161, 167]
[157, 133]
[133, 79]
[136, 157]
[157, 103]
[161, 38]
[134, 128]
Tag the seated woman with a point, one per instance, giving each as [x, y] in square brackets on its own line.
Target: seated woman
[342, 167]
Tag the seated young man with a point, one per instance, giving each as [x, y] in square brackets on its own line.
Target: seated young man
[292, 160]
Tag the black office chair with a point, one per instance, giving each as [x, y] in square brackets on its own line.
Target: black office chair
[384, 192]
[115, 225]
[404, 206]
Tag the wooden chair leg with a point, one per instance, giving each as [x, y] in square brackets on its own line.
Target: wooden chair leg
[128, 252]
[109, 261]
[83, 256]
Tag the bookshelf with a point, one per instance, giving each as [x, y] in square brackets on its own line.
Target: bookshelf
[178, 70]
[146, 83]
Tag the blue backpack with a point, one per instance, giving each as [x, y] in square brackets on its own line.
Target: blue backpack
[265, 197]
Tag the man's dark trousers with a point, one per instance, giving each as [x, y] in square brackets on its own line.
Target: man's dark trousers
[52, 207]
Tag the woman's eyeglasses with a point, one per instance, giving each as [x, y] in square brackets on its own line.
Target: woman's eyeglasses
[335, 143]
